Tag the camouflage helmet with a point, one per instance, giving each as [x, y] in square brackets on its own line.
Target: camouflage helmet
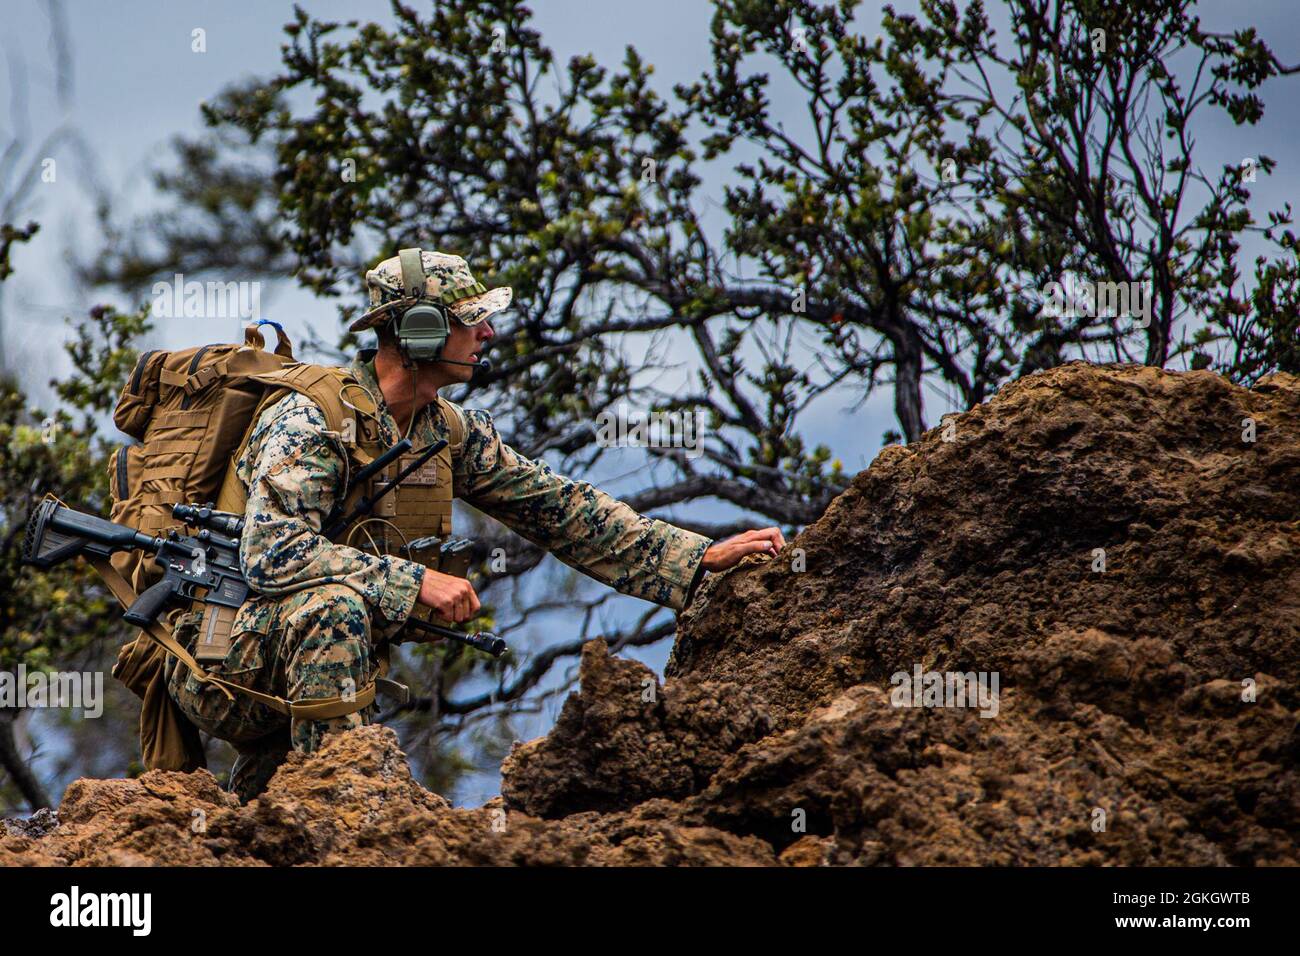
[448, 280]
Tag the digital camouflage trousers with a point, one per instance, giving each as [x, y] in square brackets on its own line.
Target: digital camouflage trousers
[311, 644]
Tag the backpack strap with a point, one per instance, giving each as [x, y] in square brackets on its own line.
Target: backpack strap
[333, 390]
[341, 398]
[454, 416]
[324, 385]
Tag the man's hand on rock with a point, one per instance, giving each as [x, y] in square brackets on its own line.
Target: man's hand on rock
[452, 597]
[727, 553]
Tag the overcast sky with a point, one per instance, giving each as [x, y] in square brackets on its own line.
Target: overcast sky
[137, 83]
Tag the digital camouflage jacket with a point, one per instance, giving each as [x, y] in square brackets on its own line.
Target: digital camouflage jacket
[295, 473]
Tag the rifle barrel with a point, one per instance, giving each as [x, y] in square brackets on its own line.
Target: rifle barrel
[482, 640]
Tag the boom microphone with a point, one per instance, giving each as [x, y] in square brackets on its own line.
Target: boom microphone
[483, 365]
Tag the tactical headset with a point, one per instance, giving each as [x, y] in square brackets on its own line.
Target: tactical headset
[423, 328]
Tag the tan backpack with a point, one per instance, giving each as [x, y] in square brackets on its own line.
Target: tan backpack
[191, 411]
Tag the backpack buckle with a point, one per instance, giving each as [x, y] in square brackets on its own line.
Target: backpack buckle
[200, 380]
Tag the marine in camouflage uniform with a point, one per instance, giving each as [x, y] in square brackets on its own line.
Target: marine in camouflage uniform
[319, 608]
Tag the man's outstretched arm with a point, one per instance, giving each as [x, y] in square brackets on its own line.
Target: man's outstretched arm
[589, 529]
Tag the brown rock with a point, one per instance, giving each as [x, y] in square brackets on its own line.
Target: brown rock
[622, 740]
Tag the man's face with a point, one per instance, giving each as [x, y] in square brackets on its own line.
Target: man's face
[465, 343]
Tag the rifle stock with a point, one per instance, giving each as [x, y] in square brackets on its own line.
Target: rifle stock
[56, 533]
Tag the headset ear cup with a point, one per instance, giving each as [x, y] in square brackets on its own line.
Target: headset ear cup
[423, 331]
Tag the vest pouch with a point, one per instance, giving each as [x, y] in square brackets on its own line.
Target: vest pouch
[420, 506]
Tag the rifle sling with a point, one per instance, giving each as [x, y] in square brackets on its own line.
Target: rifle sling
[320, 708]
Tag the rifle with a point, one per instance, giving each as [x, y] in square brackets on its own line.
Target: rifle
[207, 562]
[200, 567]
